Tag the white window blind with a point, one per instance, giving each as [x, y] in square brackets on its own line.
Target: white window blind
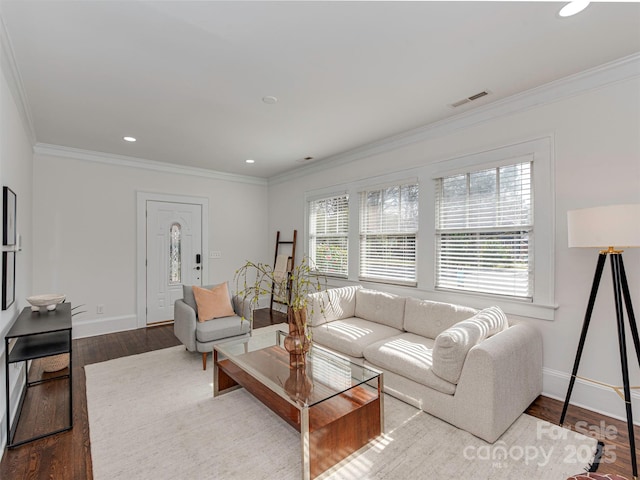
[328, 235]
[484, 230]
[388, 232]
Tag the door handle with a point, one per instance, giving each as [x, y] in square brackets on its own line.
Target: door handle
[198, 258]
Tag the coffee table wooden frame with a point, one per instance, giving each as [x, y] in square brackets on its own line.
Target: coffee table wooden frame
[330, 430]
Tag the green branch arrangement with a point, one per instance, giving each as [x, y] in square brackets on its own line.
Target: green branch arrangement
[256, 279]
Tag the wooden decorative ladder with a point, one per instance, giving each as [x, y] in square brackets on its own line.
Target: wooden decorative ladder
[290, 263]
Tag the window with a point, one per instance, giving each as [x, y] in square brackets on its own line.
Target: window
[388, 233]
[328, 235]
[175, 256]
[484, 231]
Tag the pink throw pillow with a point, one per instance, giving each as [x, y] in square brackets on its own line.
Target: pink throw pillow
[214, 303]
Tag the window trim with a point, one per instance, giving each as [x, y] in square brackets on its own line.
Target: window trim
[390, 281]
[540, 153]
[542, 148]
[308, 202]
[476, 232]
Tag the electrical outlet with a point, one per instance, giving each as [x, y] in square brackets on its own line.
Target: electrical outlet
[100, 309]
[215, 254]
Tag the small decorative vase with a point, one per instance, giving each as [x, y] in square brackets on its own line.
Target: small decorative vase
[296, 342]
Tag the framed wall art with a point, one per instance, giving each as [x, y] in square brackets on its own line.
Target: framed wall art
[8, 216]
[8, 279]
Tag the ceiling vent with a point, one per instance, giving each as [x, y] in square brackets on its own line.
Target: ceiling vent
[478, 95]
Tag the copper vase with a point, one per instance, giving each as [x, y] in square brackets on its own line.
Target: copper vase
[297, 342]
[298, 386]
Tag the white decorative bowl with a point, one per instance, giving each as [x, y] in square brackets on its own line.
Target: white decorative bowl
[48, 301]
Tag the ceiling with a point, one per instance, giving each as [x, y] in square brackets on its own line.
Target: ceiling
[187, 79]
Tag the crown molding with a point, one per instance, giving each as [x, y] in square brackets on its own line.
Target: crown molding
[619, 70]
[14, 79]
[134, 162]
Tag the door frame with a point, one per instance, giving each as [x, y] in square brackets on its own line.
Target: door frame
[141, 243]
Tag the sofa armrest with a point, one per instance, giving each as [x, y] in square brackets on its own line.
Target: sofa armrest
[184, 324]
[500, 378]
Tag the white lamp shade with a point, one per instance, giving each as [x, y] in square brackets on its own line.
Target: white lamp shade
[602, 227]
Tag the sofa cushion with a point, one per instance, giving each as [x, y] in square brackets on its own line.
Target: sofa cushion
[380, 307]
[451, 346]
[408, 355]
[213, 303]
[351, 335]
[221, 328]
[331, 304]
[430, 319]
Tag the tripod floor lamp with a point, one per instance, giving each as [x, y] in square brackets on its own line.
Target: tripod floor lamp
[609, 228]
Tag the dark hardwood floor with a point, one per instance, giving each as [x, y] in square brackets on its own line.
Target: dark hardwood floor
[265, 317]
[67, 456]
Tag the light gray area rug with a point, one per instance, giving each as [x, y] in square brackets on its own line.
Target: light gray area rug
[153, 416]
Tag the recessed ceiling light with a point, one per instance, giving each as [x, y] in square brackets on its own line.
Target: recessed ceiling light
[250, 161]
[129, 139]
[269, 99]
[572, 8]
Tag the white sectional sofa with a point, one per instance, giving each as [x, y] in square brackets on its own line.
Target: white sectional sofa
[470, 368]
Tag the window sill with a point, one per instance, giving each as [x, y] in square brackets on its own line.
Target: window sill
[510, 306]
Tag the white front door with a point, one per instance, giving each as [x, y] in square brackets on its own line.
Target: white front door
[174, 255]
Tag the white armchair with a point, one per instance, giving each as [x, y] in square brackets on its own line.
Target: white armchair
[201, 336]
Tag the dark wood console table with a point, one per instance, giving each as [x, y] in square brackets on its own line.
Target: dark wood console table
[37, 335]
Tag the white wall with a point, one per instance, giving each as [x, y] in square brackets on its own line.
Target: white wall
[85, 232]
[16, 164]
[596, 133]
[83, 243]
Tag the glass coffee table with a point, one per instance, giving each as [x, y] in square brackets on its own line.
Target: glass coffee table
[335, 404]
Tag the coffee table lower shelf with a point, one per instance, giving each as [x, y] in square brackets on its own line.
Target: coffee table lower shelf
[330, 431]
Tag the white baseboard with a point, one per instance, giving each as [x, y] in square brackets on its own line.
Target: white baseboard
[102, 326]
[16, 371]
[591, 396]
[81, 329]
